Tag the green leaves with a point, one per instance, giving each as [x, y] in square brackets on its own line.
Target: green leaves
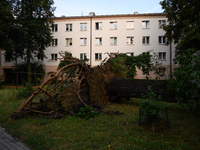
[150, 105]
[86, 112]
[185, 80]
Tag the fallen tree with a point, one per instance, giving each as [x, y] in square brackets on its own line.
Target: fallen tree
[75, 85]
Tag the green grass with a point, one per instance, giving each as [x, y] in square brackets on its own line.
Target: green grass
[102, 132]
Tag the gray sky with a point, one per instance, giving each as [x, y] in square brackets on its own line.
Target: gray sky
[105, 7]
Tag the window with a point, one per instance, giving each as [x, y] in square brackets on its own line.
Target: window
[98, 56]
[7, 59]
[54, 42]
[130, 53]
[162, 56]
[161, 23]
[25, 58]
[83, 41]
[161, 39]
[98, 25]
[83, 56]
[113, 40]
[145, 72]
[54, 57]
[68, 27]
[145, 40]
[162, 72]
[98, 41]
[130, 40]
[54, 28]
[130, 25]
[68, 41]
[113, 25]
[145, 24]
[83, 26]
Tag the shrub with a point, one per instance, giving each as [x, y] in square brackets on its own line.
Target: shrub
[151, 105]
[25, 92]
[86, 112]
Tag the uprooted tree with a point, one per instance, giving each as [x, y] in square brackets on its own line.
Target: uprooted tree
[76, 85]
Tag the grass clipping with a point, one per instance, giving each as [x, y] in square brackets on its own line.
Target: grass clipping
[74, 86]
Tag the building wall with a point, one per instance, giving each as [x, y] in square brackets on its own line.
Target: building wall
[106, 33]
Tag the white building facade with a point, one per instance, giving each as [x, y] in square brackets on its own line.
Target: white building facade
[92, 36]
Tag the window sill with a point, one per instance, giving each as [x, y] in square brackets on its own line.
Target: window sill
[162, 59]
[98, 45]
[83, 45]
[98, 59]
[145, 28]
[83, 30]
[130, 29]
[145, 44]
[113, 45]
[161, 43]
[68, 45]
[68, 31]
[129, 44]
[54, 45]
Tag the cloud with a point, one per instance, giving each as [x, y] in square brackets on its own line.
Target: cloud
[154, 9]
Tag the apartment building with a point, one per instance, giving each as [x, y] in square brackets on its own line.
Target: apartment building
[93, 35]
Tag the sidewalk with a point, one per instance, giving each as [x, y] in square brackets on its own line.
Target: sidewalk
[7, 142]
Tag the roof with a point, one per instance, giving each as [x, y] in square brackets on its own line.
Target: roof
[113, 16]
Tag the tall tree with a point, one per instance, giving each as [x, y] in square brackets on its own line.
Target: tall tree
[184, 23]
[30, 31]
[34, 18]
[184, 30]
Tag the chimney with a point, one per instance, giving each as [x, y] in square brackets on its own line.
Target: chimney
[135, 12]
[92, 14]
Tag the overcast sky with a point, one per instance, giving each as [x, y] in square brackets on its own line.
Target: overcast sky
[105, 7]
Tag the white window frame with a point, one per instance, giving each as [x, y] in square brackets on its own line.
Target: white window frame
[54, 42]
[130, 40]
[130, 53]
[98, 41]
[146, 24]
[162, 56]
[69, 27]
[113, 25]
[54, 28]
[54, 57]
[113, 40]
[83, 41]
[129, 25]
[83, 56]
[162, 40]
[161, 23]
[68, 41]
[146, 40]
[98, 25]
[98, 56]
[83, 26]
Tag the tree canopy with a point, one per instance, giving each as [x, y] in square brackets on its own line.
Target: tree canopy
[183, 26]
[27, 28]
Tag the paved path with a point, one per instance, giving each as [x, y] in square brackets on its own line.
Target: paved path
[7, 142]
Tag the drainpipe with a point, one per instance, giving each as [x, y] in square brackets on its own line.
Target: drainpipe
[170, 47]
[90, 41]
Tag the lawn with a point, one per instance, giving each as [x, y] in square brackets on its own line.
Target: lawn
[103, 132]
